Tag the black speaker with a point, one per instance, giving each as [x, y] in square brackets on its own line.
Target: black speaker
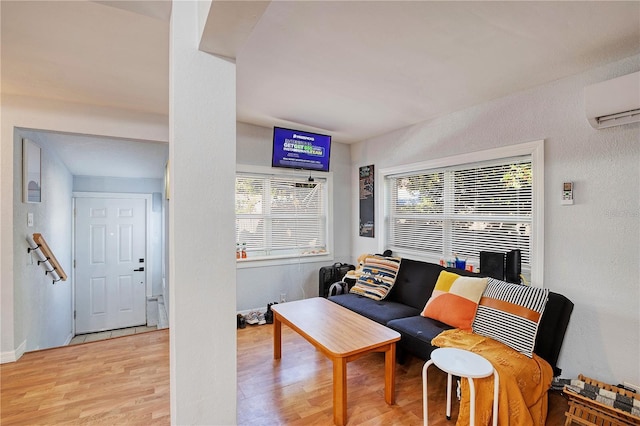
[492, 264]
[513, 267]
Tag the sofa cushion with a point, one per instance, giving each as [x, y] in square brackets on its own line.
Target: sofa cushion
[505, 308]
[416, 333]
[414, 283]
[455, 300]
[380, 311]
[378, 276]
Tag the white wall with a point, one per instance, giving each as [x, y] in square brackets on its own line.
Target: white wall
[166, 264]
[258, 286]
[113, 184]
[591, 248]
[137, 186]
[202, 156]
[40, 114]
[45, 308]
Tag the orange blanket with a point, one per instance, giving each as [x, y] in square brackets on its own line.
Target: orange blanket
[524, 382]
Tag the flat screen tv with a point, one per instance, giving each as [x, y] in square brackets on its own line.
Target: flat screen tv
[296, 149]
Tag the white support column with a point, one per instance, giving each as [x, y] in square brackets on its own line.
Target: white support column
[201, 226]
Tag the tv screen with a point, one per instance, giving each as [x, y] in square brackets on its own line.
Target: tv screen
[300, 150]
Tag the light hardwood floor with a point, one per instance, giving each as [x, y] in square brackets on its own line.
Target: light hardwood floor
[296, 390]
[125, 381]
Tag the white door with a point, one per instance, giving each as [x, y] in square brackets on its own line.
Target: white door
[110, 259]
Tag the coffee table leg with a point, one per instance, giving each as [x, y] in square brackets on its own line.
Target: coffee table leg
[390, 374]
[277, 337]
[339, 391]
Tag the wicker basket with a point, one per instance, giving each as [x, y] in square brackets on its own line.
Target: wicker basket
[585, 411]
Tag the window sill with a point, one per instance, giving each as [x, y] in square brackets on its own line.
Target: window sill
[259, 262]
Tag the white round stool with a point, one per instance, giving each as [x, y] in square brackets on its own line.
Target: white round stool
[465, 364]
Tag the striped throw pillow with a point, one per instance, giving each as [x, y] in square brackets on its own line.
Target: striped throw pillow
[378, 276]
[511, 313]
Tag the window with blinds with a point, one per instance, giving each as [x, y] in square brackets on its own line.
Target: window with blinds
[462, 210]
[280, 216]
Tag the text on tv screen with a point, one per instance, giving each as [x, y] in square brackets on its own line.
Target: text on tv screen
[300, 150]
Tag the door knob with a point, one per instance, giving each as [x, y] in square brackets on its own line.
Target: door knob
[140, 269]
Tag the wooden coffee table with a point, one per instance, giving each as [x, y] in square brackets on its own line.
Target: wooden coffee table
[343, 336]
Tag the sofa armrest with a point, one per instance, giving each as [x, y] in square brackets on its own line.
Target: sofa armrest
[552, 328]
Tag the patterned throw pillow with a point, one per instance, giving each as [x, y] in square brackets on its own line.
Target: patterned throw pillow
[378, 276]
[511, 313]
[455, 299]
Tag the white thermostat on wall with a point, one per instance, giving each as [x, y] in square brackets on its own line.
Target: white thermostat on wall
[567, 193]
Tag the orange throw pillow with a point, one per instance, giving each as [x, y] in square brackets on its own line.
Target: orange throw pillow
[454, 300]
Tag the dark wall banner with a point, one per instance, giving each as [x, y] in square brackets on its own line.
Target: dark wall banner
[367, 206]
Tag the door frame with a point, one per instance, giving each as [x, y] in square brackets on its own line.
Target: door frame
[148, 259]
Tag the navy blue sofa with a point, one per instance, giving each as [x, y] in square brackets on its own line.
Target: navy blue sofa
[415, 282]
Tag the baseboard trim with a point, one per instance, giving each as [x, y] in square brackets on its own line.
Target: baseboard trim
[163, 319]
[68, 339]
[9, 356]
[13, 356]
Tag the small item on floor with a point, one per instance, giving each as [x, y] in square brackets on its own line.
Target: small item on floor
[255, 317]
[557, 384]
[268, 316]
[252, 318]
[241, 321]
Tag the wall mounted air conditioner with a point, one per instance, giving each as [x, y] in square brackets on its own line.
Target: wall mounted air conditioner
[613, 102]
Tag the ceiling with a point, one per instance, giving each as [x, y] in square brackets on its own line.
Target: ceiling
[86, 155]
[91, 53]
[350, 69]
[357, 70]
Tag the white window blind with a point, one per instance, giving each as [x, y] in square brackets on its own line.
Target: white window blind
[280, 216]
[463, 210]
